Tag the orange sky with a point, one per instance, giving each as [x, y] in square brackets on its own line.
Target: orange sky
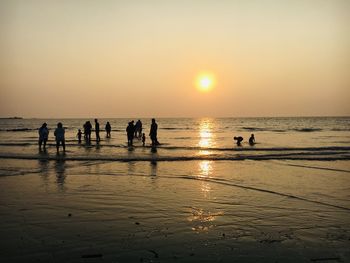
[142, 58]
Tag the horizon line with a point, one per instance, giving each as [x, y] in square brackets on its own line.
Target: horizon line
[184, 117]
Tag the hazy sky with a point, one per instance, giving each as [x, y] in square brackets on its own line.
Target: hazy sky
[141, 58]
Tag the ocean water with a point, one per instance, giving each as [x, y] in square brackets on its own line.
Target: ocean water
[309, 138]
[198, 198]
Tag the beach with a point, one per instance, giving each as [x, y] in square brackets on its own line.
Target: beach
[174, 131]
[198, 198]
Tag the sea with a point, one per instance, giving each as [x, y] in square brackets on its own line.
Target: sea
[296, 138]
[196, 197]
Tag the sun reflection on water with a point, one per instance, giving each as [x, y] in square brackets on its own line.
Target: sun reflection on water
[203, 220]
[206, 139]
[205, 168]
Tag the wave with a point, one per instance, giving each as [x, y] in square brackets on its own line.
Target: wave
[196, 148]
[323, 156]
[307, 130]
[278, 130]
[315, 167]
[260, 149]
[175, 128]
[254, 129]
[19, 129]
[251, 129]
[282, 130]
[340, 129]
[247, 187]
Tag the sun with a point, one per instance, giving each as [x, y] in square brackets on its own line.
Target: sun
[205, 82]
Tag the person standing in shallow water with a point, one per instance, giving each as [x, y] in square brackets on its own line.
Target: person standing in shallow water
[108, 130]
[153, 133]
[97, 131]
[59, 134]
[79, 136]
[138, 129]
[43, 135]
[87, 132]
[130, 132]
[252, 140]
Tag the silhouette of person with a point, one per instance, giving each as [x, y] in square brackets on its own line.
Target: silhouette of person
[108, 129]
[79, 136]
[97, 130]
[59, 134]
[239, 139]
[143, 139]
[252, 140]
[85, 128]
[130, 132]
[153, 133]
[138, 129]
[43, 135]
[87, 131]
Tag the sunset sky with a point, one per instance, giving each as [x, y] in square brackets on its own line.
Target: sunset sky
[143, 58]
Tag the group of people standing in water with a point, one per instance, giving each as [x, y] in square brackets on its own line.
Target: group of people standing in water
[59, 135]
[135, 131]
[132, 131]
[88, 129]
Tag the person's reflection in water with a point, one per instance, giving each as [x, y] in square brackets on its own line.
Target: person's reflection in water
[131, 168]
[43, 164]
[98, 147]
[60, 170]
[154, 166]
[153, 150]
[154, 156]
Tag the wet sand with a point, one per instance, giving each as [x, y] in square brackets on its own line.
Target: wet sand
[204, 211]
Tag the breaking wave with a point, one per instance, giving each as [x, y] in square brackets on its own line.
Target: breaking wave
[318, 156]
[197, 148]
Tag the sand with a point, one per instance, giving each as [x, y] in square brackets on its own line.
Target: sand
[194, 211]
